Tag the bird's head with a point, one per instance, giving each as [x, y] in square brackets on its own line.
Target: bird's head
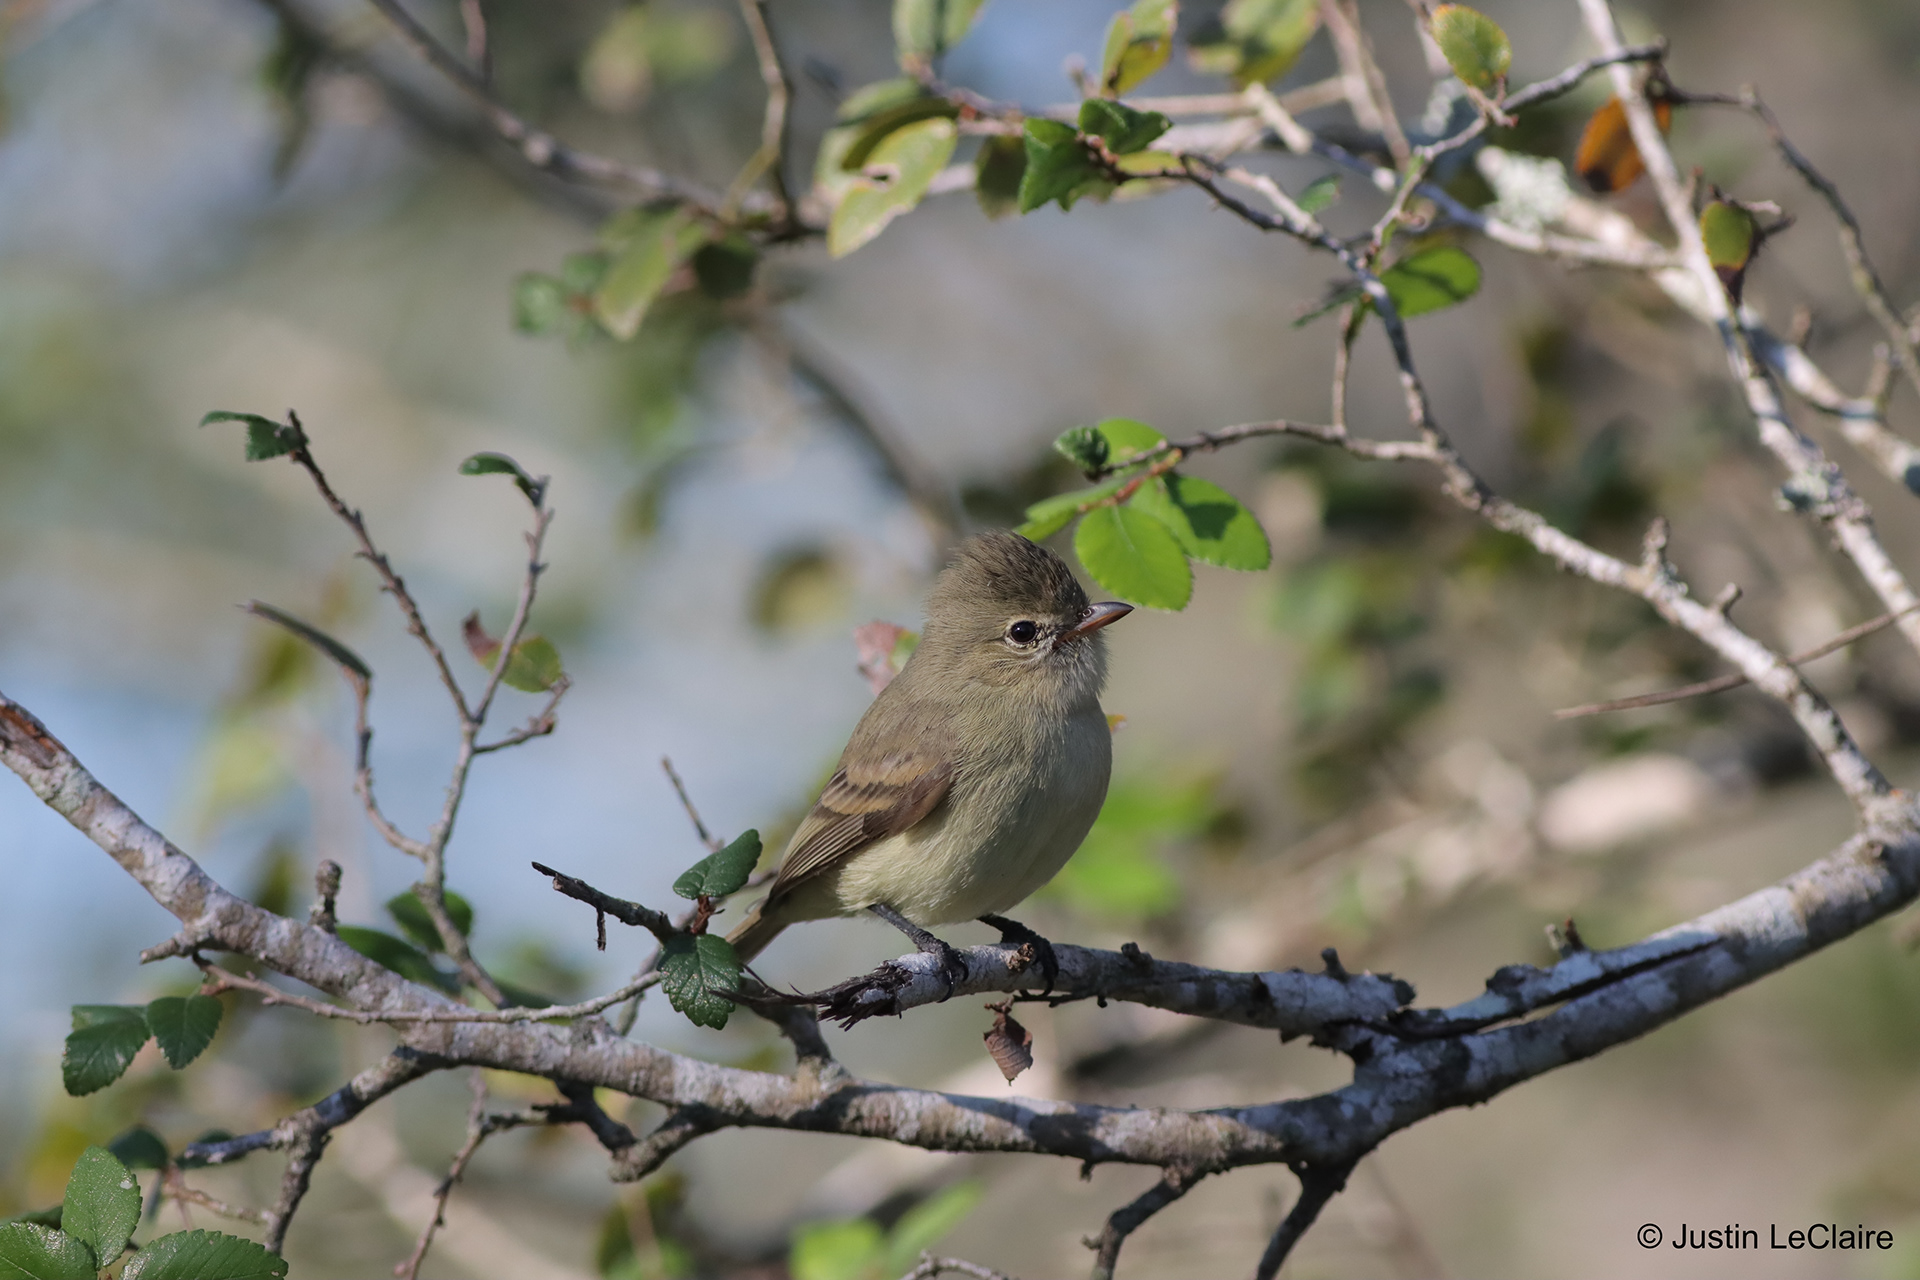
[1008, 612]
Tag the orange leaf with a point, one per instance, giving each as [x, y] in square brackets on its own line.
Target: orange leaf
[1606, 157]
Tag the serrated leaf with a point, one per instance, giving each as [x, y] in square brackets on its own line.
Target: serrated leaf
[1727, 231]
[411, 915]
[1059, 166]
[893, 180]
[1134, 556]
[997, 170]
[499, 464]
[39, 1217]
[140, 1148]
[1319, 193]
[104, 1040]
[102, 1206]
[265, 437]
[1084, 447]
[1050, 515]
[1139, 42]
[927, 1223]
[184, 1026]
[541, 304]
[29, 1251]
[314, 636]
[204, 1255]
[724, 268]
[1210, 523]
[395, 954]
[656, 242]
[925, 29]
[1431, 280]
[719, 874]
[1123, 129]
[1475, 46]
[696, 972]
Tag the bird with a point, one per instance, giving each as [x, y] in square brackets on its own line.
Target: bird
[976, 772]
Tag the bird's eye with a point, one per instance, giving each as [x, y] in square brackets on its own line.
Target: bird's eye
[1022, 632]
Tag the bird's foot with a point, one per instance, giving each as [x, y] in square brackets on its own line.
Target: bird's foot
[953, 967]
[1012, 931]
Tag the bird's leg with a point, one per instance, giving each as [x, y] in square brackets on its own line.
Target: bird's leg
[1012, 931]
[952, 967]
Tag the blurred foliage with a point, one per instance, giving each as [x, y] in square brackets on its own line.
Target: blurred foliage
[1121, 872]
[641, 1236]
[861, 1249]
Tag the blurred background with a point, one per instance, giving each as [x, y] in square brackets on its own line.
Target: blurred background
[203, 206]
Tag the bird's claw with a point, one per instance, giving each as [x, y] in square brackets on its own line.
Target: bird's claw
[1012, 931]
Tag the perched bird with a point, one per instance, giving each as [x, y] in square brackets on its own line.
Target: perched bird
[974, 775]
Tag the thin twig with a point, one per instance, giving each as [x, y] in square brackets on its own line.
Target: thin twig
[1366, 87]
[539, 148]
[474, 20]
[707, 838]
[1733, 680]
[176, 1186]
[771, 157]
[1175, 1181]
[219, 980]
[1318, 1185]
[930, 1267]
[480, 1127]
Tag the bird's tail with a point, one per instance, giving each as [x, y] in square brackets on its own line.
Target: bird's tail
[754, 933]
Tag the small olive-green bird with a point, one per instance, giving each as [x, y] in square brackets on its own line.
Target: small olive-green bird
[975, 774]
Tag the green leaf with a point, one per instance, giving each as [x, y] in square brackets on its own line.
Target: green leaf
[1084, 447]
[184, 1026]
[1123, 129]
[722, 873]
[102, 1206]
[1139, 41]
[869, 100]
[314, 636]
[105, 1038]
[499, 464]
[581, 273]
[1727, 230]
[411, 915]
[534, 666]
[1475, 46]
[1260, 40]
[401, 957]
[878, 127]
[927, 1223]
[1319, 193]
[1050, 515]
[1059, 166]
[697, 972]
[850, 1250]
[656, 243]
[265, 437]
[1118, 871]
[541, 304]
[140, 1148]
[39, 1217]
[1134, 556]
[1127, 439]
[997, 169]
[893, 180]
[925, 29]
[1209, 522]
[1431, 280]
[724, 268]
[204, 1255]
[29, 1251]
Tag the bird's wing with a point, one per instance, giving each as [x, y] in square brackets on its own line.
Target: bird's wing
[864, 802]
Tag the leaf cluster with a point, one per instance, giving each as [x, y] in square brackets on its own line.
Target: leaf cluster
[94, 1225]
[105, 1037]
[1140, 528]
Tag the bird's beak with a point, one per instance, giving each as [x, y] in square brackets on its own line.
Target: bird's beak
[1096, 617]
